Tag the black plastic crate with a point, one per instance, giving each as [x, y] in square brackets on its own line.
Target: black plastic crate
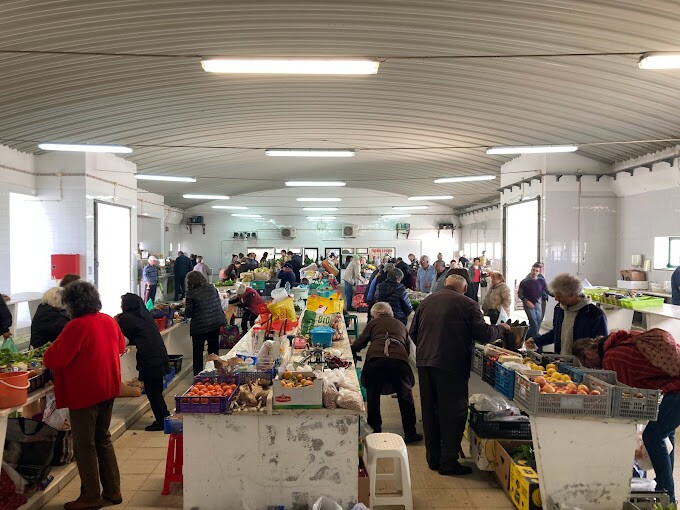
[498, 429]
[489, 371]
[175, 362]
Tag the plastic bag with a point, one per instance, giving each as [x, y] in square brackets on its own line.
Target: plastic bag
[278, 294]
[344, 381]
[502, 317]
[348, 399]
[8, 344]
[329, 395]
[333, 304]
[283, 309]
[324, 503]
[56, 418]
[360, 506]
[487, 403]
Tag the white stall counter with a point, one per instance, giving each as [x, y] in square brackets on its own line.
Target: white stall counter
[289, 458]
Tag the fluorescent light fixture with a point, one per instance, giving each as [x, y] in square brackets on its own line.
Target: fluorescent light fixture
[208, 197]
[465, 178]
[229, 207]
[396, 215]
[311, 153]
[72, 147]
[247, 215]
[432, 197]
[325, 199]
[336, 184]
[289, 66]
[167, 178]
[408, 207]
[321, 218]
[659, 60]
[532, 149]
[319, 208]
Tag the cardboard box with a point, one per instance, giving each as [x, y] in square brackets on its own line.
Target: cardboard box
[633, 275]
[363, 495]
[503, 461]
[482, 452]
[524, 491]
[302, 397]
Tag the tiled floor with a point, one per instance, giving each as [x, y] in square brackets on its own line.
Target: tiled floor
[141, 458]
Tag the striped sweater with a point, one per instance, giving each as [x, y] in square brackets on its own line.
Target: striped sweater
[647, 360]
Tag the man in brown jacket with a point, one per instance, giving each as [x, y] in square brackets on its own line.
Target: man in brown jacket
[444, 330]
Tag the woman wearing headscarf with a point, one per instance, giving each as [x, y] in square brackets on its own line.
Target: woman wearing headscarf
[152, 357]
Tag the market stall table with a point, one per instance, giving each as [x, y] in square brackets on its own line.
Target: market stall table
[32, 298]
[665, 317]
[289, 458]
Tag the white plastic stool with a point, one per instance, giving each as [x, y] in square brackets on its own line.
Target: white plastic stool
[388, 446]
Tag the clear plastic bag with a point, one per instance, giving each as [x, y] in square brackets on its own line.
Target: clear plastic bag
[487, 403]
[278, 294]
[324, 503]
[502, 317]
[329, 395]
[348, 399]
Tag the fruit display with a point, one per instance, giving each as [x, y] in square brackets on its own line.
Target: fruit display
[290, 380]
[201, 391]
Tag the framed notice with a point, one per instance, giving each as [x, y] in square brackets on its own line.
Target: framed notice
[379, 253]
[361, 251]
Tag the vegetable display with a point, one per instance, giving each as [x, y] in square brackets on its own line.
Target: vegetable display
[225, 283]
[8, 357]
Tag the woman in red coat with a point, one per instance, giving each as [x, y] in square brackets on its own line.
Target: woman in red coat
[649, 360]
[85, 359]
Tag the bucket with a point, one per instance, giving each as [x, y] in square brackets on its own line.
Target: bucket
[519, 333]
[160, 322]
[13, 389]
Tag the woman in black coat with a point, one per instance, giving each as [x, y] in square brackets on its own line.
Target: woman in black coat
[49, 319]
[140, 329]
[204, 308]
[5, 318]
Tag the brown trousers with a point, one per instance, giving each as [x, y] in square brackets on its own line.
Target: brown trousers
[93, 451]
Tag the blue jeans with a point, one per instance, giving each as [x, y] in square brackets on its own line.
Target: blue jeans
[653, 437]
[349, 293]
[535, 316]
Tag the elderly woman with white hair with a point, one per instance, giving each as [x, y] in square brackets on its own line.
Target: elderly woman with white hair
[49, 319]
[386, 368]
[575, 317]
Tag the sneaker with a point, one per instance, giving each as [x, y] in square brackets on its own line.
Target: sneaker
[154, 427]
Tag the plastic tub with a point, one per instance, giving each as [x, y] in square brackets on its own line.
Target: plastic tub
[175, 362]
[300, 293]
[322, 335]
[13, 389]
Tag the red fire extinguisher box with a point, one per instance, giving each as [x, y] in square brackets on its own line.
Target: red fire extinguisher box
[65, 264]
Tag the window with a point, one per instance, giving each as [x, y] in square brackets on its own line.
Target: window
[666, 252]
[674, 252]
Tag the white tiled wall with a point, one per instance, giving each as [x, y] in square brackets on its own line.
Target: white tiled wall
[218, 243]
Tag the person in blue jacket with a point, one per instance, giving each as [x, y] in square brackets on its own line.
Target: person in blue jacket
[575, 317]
[287, 274]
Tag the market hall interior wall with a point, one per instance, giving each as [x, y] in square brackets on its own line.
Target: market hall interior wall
[218, 243]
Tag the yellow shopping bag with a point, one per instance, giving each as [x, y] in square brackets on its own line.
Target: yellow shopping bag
[333, 304]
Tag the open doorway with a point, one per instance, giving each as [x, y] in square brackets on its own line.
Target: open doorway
[521, 237]
[112, 254]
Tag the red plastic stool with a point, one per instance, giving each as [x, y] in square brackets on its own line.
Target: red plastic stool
[173, 462]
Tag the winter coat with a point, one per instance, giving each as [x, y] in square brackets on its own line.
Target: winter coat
[590, 322]
[286, 276]
[498, 298]
[85, 361]
[649, 359]
[48, 322]
[438, 282]
[394, 293]
[182, 267]
[465, 274]
[444, 329]
[296, 262]
[406, 269]
[140, 329]
[251, 300]
[5, 317]
[352, 274]
[204, 308]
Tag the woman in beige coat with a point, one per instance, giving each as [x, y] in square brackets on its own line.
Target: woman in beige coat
[498, 298]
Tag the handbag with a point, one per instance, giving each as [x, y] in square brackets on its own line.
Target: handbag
[63, 448]
[29, 448]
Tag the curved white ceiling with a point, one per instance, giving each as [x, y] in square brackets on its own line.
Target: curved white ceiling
[153, 102]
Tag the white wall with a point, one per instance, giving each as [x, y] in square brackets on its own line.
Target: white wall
[149, 232]
[218, 244]
[481, 229]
